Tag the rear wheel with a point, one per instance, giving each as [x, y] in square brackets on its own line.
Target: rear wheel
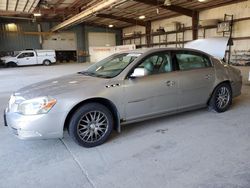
[91, 125]
[47, 62]
[221, 99]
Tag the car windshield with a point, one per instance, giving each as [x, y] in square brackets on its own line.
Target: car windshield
[16, 53]
[111, 66]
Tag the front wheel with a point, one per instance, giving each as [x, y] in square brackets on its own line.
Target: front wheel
[221, 98]
[11, 64]
[91, 125]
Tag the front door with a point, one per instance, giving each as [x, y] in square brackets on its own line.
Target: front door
[155, 92]
[26, 58]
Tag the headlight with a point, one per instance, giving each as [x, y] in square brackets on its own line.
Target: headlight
[40, 105]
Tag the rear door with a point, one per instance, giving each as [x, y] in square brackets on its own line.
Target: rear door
[26, 58]
[197, 78]
[154, 93]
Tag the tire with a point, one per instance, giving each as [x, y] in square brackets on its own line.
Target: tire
[47, 62]
[91, 125]
[11, 64]
[221, 98]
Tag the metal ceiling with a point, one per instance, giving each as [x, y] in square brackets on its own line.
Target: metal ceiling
[18, 6]
[62, 10]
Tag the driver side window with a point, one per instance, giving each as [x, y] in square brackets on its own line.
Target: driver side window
[21, 56]
[156, 64]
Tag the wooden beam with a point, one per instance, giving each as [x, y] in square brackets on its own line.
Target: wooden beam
[16, 4]
[123, 19]
[195, 24]
[31, 6]
[7, 5]
[174, 8]
[26, 5]
[28, 32]
[58, 3]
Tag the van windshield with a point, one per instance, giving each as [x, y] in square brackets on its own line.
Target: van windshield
[112, 65]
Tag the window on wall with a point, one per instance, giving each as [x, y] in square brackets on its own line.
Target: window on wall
[191, 60]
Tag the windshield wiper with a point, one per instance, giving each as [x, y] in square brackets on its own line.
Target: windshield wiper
[93, 74]
[86, 73]
[103, 76]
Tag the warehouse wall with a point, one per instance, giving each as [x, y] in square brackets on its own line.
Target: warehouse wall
[12, 40]
[239, 10]
[88, 29]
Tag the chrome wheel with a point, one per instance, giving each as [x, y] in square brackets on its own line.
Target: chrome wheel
[222, 97]
[92, 126]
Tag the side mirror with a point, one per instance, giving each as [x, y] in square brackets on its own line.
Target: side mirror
[138, 72]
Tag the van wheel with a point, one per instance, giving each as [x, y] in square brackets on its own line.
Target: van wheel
[221, 99]
[11, 64]
[47, 62]
[91, 125]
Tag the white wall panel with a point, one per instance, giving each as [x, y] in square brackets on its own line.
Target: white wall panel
[60, 41]
[101, 39]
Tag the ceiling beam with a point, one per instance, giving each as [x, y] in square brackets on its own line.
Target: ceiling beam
[16, 4]
[174, 8]
[6, 13]
[7, 5]
[26, 5]
[59, 2]
[123, 19]
[31, 6]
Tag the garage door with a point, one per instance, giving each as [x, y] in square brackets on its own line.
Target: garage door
[60, 41]
[101, 39]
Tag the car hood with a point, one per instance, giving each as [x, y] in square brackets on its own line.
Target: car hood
[214, 46]
[58, 86]
[6, 57]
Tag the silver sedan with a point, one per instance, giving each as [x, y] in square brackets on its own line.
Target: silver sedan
[123, 88]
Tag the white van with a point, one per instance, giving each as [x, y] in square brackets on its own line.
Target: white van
[30, 57]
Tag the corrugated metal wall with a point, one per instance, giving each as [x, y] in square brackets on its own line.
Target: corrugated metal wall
[14, 41]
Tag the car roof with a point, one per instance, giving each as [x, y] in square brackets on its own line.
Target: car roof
[152, 50]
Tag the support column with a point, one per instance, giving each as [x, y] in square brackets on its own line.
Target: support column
[195, 24]
[148, 33]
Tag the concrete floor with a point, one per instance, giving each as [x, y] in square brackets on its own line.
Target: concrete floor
[198, 149]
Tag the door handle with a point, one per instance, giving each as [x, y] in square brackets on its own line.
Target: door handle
[170, 83]
[208, 76]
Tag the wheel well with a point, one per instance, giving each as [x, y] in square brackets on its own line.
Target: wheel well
[226, 82]
[11, 62]
[102, 101]
[46, 60]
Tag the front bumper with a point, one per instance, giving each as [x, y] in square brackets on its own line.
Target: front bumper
[42, 126]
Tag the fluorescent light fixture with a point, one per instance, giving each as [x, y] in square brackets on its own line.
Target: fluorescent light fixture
[37, 14]
[78, 18]
[201, 1]
[110, 25]
[142, 17]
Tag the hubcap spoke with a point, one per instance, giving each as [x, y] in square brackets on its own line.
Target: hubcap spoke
[92, 126]
[222, 97]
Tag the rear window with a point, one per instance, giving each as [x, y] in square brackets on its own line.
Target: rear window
[190, 60]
